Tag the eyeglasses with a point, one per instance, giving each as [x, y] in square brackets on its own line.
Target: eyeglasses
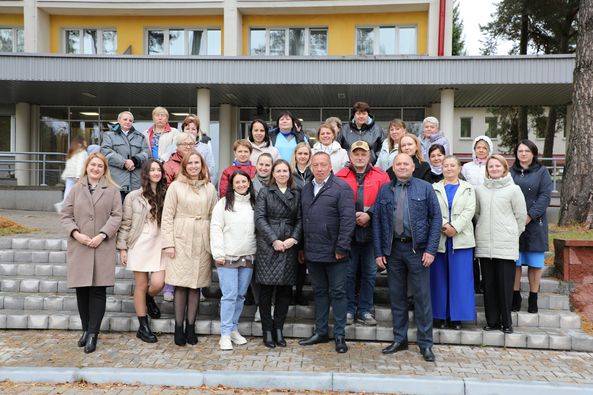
[189, 145]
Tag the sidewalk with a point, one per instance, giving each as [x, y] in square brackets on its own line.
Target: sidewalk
[298, 367]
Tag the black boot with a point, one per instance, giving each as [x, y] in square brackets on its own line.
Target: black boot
[82, 340]
[532, 308]
[269, 340]
[179, 335]
[190, 334]
[91, 343]
[517, 299]
[144, 333]
[280, 341]
[151, 307]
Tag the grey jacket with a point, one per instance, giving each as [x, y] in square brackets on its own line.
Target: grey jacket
[117, 148]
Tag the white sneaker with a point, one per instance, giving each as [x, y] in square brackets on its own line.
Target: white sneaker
[237, 338]
[257, 317]
[225, 343]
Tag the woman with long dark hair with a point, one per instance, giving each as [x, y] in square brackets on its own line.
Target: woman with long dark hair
[259, 137]
[232, 238]
[278, 223]
[138, 242]
[186, 245]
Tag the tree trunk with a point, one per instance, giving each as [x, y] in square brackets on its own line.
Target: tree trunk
[550, 134]
[577, 182]
[522, 124]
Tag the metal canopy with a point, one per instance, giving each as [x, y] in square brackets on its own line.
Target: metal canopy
[289, 82]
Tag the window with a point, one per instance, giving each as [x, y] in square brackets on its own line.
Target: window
[301, 41]
[5, 133]
[466, 128]
[12, 39]
[90, 41]
[183, 42]
[492, 130]
[386, 40]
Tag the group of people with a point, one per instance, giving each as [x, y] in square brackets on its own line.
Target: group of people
[352, 203]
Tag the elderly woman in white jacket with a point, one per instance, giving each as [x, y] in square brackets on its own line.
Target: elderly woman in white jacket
[326, 142]
[232, 240]
[501, 213]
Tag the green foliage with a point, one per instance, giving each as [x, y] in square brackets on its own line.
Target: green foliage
[458, 47]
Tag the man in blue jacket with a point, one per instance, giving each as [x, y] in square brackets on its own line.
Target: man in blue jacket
[328, 225]
[406, 231]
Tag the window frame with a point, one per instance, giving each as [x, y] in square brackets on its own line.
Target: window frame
[186, 31]
[306, 49]
[471, 119]
[15, 38]
[100, 45]
[377, 35]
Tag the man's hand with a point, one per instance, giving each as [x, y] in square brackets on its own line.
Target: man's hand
[381, 262]
[427, 259]
[362, 219]
[339, 256]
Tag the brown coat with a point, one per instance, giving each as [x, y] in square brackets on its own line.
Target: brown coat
[186, 226]
[90, 215]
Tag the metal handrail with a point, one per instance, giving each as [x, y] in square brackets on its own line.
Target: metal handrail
[43, 161]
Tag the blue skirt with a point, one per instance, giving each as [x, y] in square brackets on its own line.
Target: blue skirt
[452, 285]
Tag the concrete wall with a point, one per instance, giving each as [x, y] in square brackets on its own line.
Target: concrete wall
[29, 198]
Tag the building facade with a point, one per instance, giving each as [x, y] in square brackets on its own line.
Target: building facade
[71, 66]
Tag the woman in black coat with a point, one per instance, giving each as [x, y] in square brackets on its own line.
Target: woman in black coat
[535, 182]
[278, 224]
[410, 144]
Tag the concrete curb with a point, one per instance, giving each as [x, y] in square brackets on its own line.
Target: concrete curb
[292, 381]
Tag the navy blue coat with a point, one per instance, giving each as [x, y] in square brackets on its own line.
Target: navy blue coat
[328, 220]
[424, 212]
[536, 184]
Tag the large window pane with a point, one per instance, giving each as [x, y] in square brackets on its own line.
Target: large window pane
[277, 42]
[5, 40]
[20, 40]
[90, 42]
[296, 42]
[257, 42]
[90, 131]
[110, 42]
[318, 42]
[176, 42]
[387, 41]
[5, 133]
[72, 41]
[364, 41]
[407, 41]
[214, 42]
[156, 42]
[466, 128]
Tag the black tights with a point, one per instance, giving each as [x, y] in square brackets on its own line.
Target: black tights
[91, 307]
[186, 297]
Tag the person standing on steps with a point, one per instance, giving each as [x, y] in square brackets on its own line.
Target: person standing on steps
[362, 126]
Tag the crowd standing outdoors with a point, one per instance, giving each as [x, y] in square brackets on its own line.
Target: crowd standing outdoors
[354, 202]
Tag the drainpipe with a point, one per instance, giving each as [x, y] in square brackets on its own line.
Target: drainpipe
[442, 12]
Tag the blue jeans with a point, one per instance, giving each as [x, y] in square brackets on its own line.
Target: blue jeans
[361, 255]
[233, 284]
[329, 285]
[404, 262]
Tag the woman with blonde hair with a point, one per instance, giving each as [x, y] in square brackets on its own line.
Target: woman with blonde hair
[397, 128]
[300, 164]
[91, 217]
[75, 160]
[160, 136]
[186, 243]
[410, 144]
[326, 142]
[501, 213]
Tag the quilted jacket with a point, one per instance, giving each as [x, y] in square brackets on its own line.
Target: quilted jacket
[277, 217]
[424, 212]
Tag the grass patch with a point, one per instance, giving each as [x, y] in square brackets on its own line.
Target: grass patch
[9, 227]
[572, 232]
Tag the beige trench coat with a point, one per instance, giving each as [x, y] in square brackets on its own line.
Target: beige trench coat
[90, 215]
[186, 226]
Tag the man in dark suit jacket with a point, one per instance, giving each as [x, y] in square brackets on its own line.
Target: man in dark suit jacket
[328, 225]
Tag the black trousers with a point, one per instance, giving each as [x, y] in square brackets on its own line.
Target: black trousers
[91, 307]
[301, 276]
[499, 277]
[281, 304]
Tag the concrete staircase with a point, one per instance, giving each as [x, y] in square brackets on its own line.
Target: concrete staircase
[34, 295]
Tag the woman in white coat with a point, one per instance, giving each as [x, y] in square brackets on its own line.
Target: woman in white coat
[501, 213]
[326, 142]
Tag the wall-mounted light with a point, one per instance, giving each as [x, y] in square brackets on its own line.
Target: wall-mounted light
[89, 114]
[89, 95]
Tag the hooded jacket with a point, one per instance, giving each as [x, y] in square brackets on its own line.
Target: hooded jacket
[337, 154]
[474, 171]
[369, 132]
[437, 138]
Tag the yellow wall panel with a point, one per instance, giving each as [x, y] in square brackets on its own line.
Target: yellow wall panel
[130, 31]
[341, 28]
[11, 20]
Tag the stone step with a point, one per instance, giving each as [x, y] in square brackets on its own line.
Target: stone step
[42, 270]
[535, 338]
[125, 304]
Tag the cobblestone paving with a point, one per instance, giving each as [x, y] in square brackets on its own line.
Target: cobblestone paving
[58, 349]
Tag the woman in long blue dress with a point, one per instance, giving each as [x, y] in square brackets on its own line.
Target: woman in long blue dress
[451, 275]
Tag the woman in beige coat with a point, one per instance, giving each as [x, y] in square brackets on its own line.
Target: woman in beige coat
[185, 230]
[91, 216]
[139, 243]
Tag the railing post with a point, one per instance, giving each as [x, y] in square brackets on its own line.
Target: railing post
[554, 162]
[43, 184]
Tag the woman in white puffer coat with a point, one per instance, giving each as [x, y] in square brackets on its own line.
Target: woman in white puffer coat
[501, 213]
[326, 142]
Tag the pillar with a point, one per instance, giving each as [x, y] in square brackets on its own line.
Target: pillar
[433, 27]
[226, 136]
[22, 142]
[449, 28]
[37, 27]
[203, 106]
[233, 26]
[447, 116]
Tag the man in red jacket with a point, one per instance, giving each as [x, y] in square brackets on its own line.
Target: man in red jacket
[365, 180]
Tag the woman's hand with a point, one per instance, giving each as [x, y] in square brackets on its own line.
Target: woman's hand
[278, 246]
[449, 230]
[123, 257]
[169, 252]
[81, 238]
[289, 243]
[219, 261]
[96, 241]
